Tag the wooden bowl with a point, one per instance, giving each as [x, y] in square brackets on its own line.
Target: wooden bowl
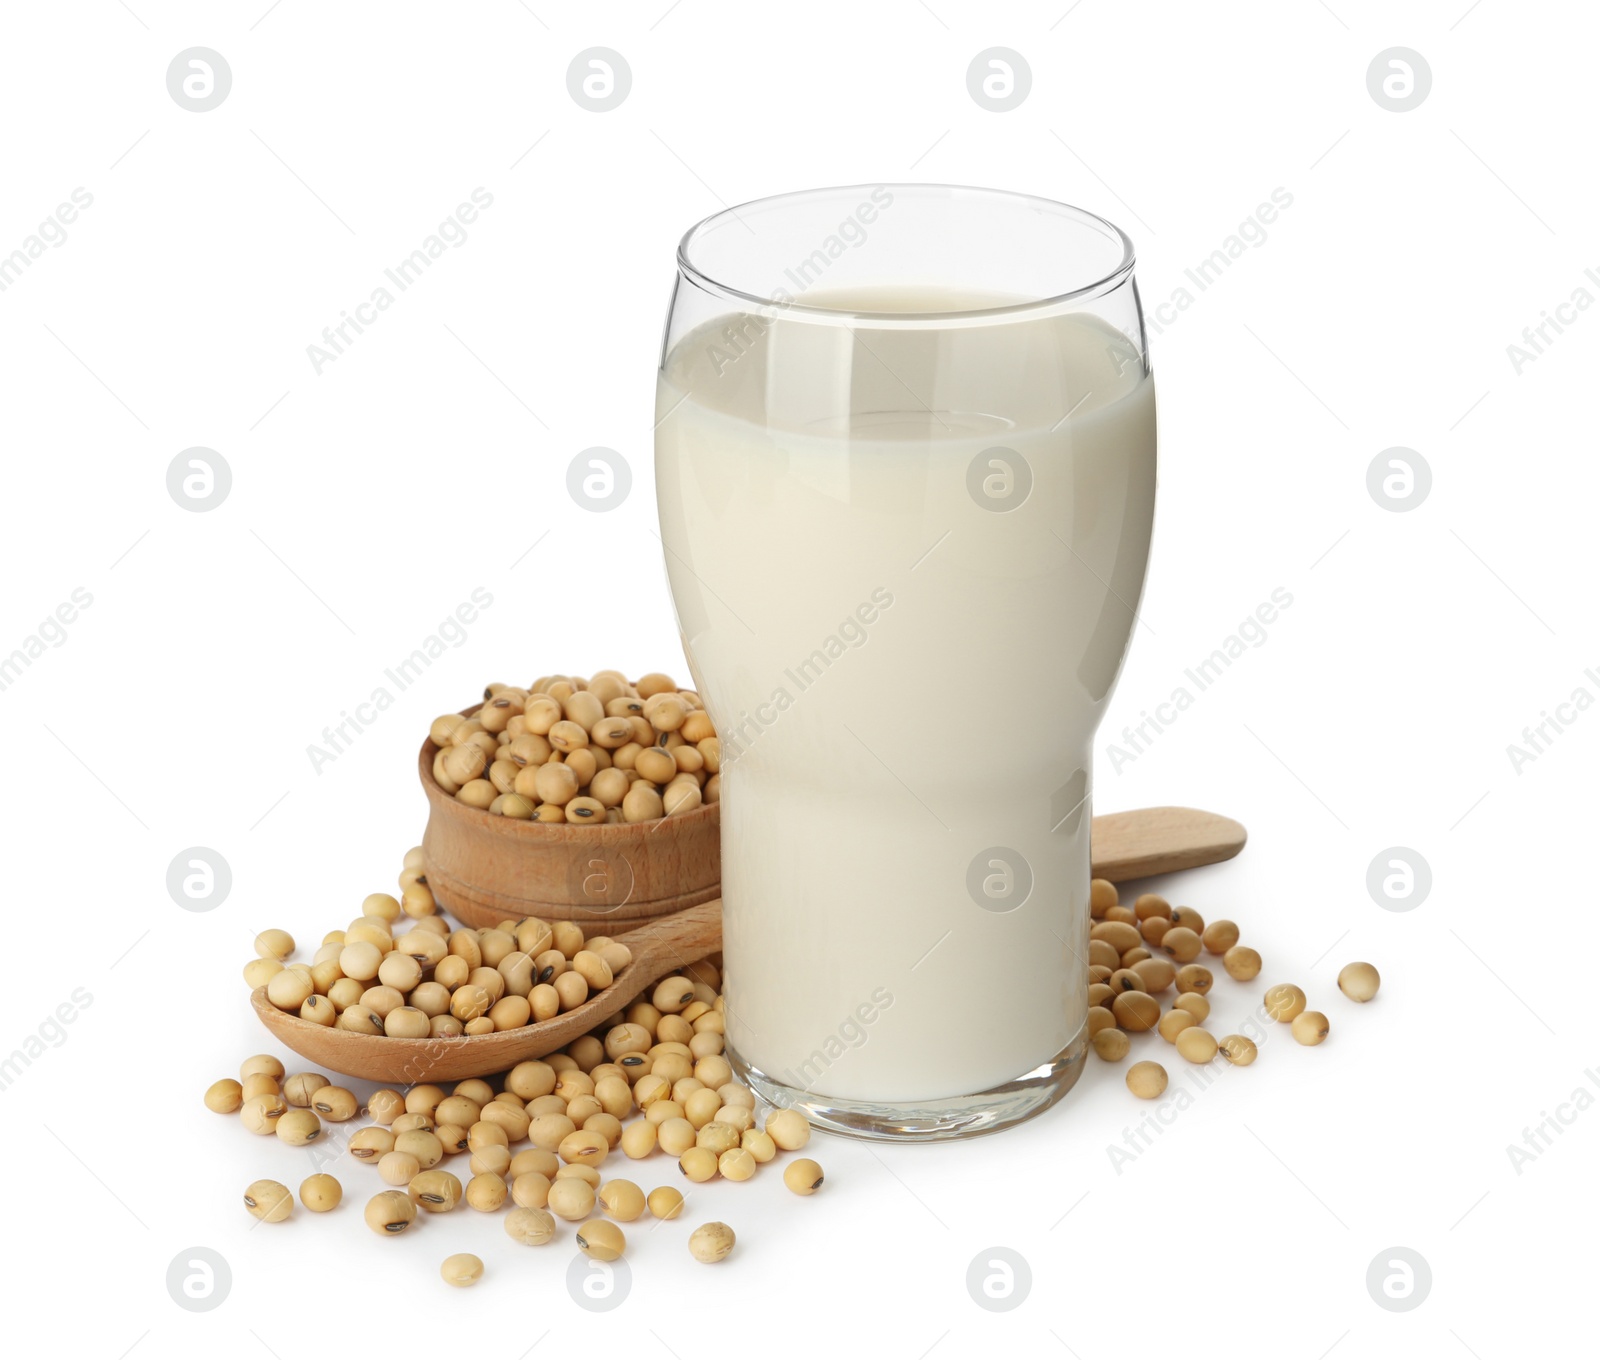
[485, 869]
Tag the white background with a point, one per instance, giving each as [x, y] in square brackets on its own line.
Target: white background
[367, 502]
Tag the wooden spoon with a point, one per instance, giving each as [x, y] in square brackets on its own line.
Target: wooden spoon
[659, 947]
[1125, 845]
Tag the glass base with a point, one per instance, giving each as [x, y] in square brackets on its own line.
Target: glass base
[927, 1121]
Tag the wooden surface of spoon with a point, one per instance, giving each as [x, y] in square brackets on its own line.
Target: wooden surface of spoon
[1125, 845]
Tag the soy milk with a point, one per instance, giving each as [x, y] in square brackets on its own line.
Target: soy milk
[905, 560]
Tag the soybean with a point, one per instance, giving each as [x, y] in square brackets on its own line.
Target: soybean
[531, 1227]
[1174, 1022]
[321, 1193]
[698, 1164]
[1358, 981]
[571, 1199]
[1110, 1044]
[1284, 1001]
[803, 1176]
[434, 1192]
[302, 1087]
[1148, 905]
[275, 944]
[1238, 1050]
[1147, 1080]
[260, 1114]
[1309, 1028]
[623, 1200]
[1196, 1045]
[1136, 1011]
[1118, 934]
[224, 1096]
[486, 1192]
[1155, 975]
[1182, 944]
[269, 1201]
[759, 1145]
[717, 1136]
[665, 1202]
[711, 1242]
[736, 1164]
[398, 1168]
[1241, 963]
[531, 1190]
[639, 1139]
[601, 1240]
[390, 1213]
[385, 1106]
[461, 1270]
[299, 1128]
[335, 1104]
[788, 1129]
[371, 1143]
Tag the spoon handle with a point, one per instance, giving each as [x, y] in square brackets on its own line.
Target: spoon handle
[675, 941]
[1161, 840]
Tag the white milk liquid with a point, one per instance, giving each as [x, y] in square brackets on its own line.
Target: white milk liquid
[903, 679]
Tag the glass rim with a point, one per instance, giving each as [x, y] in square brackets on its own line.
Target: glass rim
[1082, 216]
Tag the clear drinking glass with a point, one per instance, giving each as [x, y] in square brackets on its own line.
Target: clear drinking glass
[906, 471]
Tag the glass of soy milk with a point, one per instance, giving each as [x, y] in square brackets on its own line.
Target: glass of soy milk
[906, 472]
